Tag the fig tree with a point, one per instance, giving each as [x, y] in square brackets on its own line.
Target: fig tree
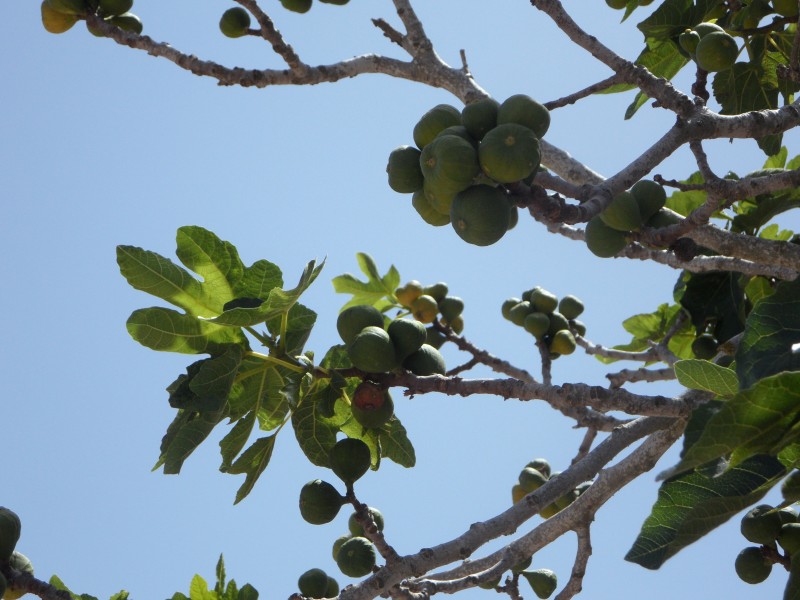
[543, 581]
[355, 527]
[356, 557]
[234, 22]
[752, 566]
[313, 583]
[319, 502]
[350, 458]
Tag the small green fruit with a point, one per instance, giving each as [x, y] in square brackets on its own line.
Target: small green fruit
[480, 117]
[577, 327]
[128, 22]
[623, 213]
[688, 40]
[518, 313]
[437, 291]
[563, 343]
[355, 527]
[234, 22]
[433, 122]
[10, 530]
[372, 351]
[407, 335]
[543, 581]
[313, 583]
[526, 111]
[425, 209]
[405, 175]
[332, 589]
[450, 307]
[541, 465]
[517, 493]
[705, 346]
[509, 152]
[789, 537]
[350, 458]
[617, 4]
[372, 406]
[649, 196]
[480, 214]
[319, 502]
[68, 7]
[602, 240]
[425, 361]
[571, 307]
[558, 322]
[356, 557]
[531, 480]
[505, 309]
[537, 324]
[716, 51]
[543, 301]
[56, 22]
[114, 7]
[790, 487]
[752, 566]
[298, 6]
[337, 544]
[425, 309]
[354, 319]
[761, 525]
[408, 293]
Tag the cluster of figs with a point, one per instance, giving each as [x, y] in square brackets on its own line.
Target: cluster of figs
[59, 16]
[708, 45]
[462, 160]
[10, 530]
[533, 476]
[320, 503]
[770, 527]
[551, 321]
[235, 22]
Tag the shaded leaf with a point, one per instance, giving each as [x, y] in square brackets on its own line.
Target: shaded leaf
[252, 462]
[395, 444]
[691, 505]
[716, 298]
[231, 445]
[752, 422]
[186, 432]
[704, 375]
[772, 330]
[685, 202]
[674, 16]
[662, 59]
[248, 592]
[315, 433]
[299, 323]
[219, 587]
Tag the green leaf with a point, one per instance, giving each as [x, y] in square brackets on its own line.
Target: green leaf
[220, 570]
[215, 260]
[691, 505]
[231, 591]
[186, 432]
[159, 276]
[790, 456]
[777, 161]
[754, 213]
[263, 386]
[300, 321]
[168, 330]
[674, 16]
[233, 443]
[278, 302]
[774, 232]
[758, 288]
[207, 384]
[179, 596]
[198, 590]
[56, 582]
[315, 434]
[748, 87]
[716, 298]
[395, 444]
[753, 422]
[248, 592]
[684, 203]
[253, 461]
[121, 595]
[662, 59]
[704, 375]
[258, 280]
[770, 335]
[376, 291]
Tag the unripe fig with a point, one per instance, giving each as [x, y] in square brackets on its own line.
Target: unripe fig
[425, 361]
[332, 589]
[372, 351]
[407, 335]
[408, 293]
[541, 465]
[752, 566]
[234, 22]
[405, 175]
[355, 527]
[425, 308]
[537, 324]
[517, 493]
[563, 342]
[351, 321]
[531, 480]
[705, 346]
[356, 557]
[433, 122]
[524, 110]
[313, 583]
[543, 581]
[519, 312]
[450, 307]
[337, 544]
[761, 525]
[10, 530]
[570, 306]
[319, 502]
[350, 458]
[505, 309]
[716, 51]
[543, 301]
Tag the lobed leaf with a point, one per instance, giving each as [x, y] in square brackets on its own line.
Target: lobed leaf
[252, 462]
[168, 330]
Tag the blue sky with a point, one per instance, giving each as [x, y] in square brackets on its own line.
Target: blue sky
[101, 145]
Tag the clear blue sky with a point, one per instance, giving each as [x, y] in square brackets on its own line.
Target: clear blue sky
[101, 145]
